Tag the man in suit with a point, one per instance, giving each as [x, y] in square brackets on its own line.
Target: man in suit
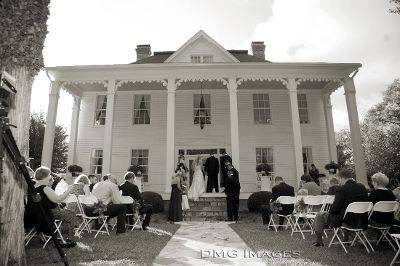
[130, 189]
[280, 189]
[232, 191]
[93, 181]
[222, 162]
[211, 167]
[349, 192]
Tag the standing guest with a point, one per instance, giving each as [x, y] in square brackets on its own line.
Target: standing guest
[310, 185]
[93, 181]
[232, 191]
[222, 162]
[349, 192]
[175, 202]
[314, 173]
[211, 167]
[334, 186]
[280, 189]
[107, 192]
[130, 189]
[381, 193]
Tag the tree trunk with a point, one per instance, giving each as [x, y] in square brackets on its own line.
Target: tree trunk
[13, 186]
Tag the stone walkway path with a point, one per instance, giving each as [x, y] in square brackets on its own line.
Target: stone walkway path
[206, 243]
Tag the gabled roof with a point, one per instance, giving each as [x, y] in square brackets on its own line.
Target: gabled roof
[196, 37]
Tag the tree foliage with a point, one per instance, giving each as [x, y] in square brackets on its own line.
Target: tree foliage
[396, 8]
[36, 136]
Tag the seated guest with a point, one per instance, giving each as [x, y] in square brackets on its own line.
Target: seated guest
[333, 186]
[130, 189]
[280, 189]
[81, 186]
[381, 193]
[349, 192]
[310, 185]
[93, 181]
[107, 192]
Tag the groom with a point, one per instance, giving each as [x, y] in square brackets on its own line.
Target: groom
[211, 167]
[232, 191]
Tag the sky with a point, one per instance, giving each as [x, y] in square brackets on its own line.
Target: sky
[91, 32]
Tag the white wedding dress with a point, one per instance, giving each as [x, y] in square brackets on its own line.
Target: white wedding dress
[198, 186]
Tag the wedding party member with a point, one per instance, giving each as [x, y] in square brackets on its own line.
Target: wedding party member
[349, 192]
[175, 201]
[198, 186]
[107, 192]
[211, 167]
[232, 191]
[280, 189]
[50, 202]
[381, 193]
[314, 173]
[93, 181]
[129, 188]
[222, 162]
[310, 185]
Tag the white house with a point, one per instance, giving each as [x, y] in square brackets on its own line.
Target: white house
[198, 98]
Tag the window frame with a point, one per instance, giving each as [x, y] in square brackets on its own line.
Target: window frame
[307, 165]
[302, 109]
[96, 109]
[272, 154]
[145, 178]
[195, 109]
[267, 106]
[138, 109]
[92, 158]
[200, 58]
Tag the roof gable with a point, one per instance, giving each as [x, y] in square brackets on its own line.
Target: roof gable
[201, 44]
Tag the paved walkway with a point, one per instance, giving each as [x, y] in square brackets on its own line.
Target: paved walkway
[206, 243]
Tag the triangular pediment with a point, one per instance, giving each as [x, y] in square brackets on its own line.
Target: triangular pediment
[201, 44]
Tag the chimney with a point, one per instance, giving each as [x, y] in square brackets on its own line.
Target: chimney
[142, 51]
[258, 49]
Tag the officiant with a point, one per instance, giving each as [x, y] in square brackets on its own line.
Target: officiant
[232, 191]
[211, 167]
[222, 162]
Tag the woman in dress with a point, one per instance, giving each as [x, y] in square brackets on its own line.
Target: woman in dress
[175, 202]
[198, 186]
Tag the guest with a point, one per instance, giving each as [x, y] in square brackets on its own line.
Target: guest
[232, 191]
[334, 185]
[280, 189]
[81, 185]
[314, 173]
[50, 202]
[175, 202]
[107, 192]
[93, 181]
[130, 189]
[381, 193]
[349, 192]
[310, 185]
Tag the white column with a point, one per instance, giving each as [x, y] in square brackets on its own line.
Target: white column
[108, 129]
[233, 108]
[358, 151]
[170, 155]
[330, 127]
[48, 141]
[73, 135]
[297, 144]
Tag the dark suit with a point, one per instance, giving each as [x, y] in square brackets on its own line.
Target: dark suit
[332, 190]
[281, 189]
[211, 167]
[131, 190]
[382, 195]
[222, 160]
[232, 191]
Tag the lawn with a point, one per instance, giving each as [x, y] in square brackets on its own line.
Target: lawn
[132, 248]
[254, 233]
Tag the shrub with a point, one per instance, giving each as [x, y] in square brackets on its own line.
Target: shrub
[153, 199]
[137, 169]
[257, 199]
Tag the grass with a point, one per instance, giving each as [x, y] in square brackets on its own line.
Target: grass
[132, 248]
[254, 233]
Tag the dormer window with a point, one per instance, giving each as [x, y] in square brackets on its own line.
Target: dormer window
[199, 59]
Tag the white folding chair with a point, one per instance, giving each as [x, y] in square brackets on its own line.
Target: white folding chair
[283, 200]
[328, 201]
[46, 238]
[396, 238]
[313, 206]
[136, 217]
[356, 208]
[383, 207]
[87, 220]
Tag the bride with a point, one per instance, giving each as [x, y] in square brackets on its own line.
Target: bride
[198, 186]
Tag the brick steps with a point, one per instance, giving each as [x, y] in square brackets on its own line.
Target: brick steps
[207, 208]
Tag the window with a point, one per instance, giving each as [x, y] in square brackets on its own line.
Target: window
[303, 109]
[141, 109]
[201, 109]
[262, 109]
[141, 158]
[96, 162]
[100, 112]
[307, 159]
[265, 155]
[198, 59]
